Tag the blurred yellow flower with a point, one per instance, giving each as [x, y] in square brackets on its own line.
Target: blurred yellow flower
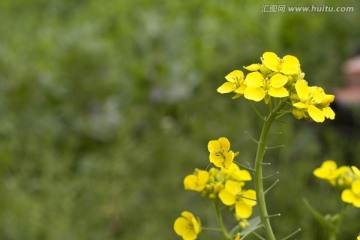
[234, 83]
[352, 195]
[187, 226]
[220, 153]
[243, 200]
[196, 181]
[288, 65]
[258, 87]
[326, 171]
[312, 102]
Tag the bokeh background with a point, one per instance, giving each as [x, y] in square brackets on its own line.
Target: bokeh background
[106, 105]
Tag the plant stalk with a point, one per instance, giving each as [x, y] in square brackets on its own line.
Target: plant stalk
[260, 193]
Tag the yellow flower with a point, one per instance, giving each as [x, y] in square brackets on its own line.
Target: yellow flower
[352, 195]
[358, 238]
[234, 83]
[327, 171]
[220, 153]
[288, 65]
[312, 102]
[187, 226]
[258, 87]
[243, 200]
[196, 181]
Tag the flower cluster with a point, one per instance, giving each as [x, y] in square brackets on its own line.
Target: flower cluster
[346, 178]
[224, 182]
[282, 78]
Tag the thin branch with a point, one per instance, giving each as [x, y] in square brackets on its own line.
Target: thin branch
[270, 176]
[292, 234]
[272, 185]
[256, 111]
[252, 138]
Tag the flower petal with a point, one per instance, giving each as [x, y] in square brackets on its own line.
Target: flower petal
[234, 76]
[227, 197]
[253, 67]
[278, 80]
[271, 61]
[302, 90]
[329, 113]
[227, 87]
[254, 79]
[180, 226]
[316, 114]
[278, 92]
[290, 65]
[254, 93]
[348, 196]
[225, 144]
[243, 210]
[214, 146]
[249, 197]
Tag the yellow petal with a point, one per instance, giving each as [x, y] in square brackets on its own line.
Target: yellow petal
[249, 197]
[302, 89]
[190, 234]
[190, 182]
[229, 157]
[254, 93]
[181, 225]
[253, 67]
[329, 113]
[203, 177]
[234, 76]
[290, 65]
[271, 61]
[240, 90]
[243, 210]
[226, 197]
[225, 144]
[348, 196]
[316, 114]
[233, 187]
[254, 79]
[356, 171]
[278, 80]
[300, 105]
[214, 146]
[278, 92]
[227, 87]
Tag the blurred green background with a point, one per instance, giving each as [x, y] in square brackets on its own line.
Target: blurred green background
[107, 105]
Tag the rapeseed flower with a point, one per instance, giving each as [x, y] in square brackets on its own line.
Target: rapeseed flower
[352, 195]
[196, 181]
[288, 65]
[312, 102]
[235, 83]
[234, 195]
[220, 153]
[187, 226]
[326, 171]
[259, 87]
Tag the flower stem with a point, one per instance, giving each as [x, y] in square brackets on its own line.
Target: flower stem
[260, 193]
[220, 220]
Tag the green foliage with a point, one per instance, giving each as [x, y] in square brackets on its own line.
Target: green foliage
[106, 106]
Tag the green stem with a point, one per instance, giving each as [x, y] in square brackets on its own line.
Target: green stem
[260, 193]
[220, 221]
